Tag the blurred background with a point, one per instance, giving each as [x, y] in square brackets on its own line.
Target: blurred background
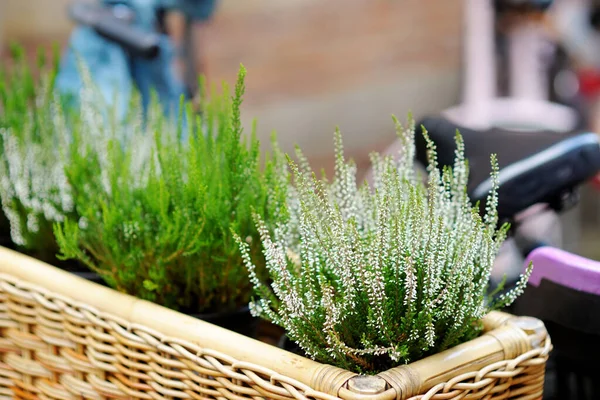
[311, 64]
[315, 65]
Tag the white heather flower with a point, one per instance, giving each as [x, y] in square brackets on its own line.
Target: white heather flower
[34, 187]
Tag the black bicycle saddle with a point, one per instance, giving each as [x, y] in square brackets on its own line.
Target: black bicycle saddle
[535, 166]
[522, 5]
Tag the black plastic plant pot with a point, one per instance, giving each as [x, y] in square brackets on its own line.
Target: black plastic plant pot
[81, 271]
[5, 239]
[90, 276]
[240, 321]
[287, 344]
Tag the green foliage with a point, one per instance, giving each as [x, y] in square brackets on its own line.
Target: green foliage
[33, 187]
[157, 212]
[367, 278]
[23, 90]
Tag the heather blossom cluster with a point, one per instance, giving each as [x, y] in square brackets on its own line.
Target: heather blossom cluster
[367, 277]
[33, 187]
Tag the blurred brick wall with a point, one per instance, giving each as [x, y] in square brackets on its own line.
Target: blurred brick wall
[34, 21]
[312, 64]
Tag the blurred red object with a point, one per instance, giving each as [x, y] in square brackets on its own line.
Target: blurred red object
[589, 82]
[589, 86]
[596, 181]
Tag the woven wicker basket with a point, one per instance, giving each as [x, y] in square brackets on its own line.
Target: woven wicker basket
[66, 338]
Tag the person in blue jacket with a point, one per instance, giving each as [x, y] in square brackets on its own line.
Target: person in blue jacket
[115, 71]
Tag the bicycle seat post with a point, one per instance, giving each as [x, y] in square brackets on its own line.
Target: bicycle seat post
[480, 65]
[526, 69]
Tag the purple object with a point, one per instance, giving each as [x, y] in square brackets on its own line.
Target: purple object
[564, 268]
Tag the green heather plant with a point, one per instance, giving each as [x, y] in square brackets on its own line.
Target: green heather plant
[33, 187]
[157, 222]
[367, 278]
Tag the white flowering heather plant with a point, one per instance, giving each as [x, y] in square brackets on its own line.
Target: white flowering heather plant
[33, 187]
[37, 127]
[367, 278]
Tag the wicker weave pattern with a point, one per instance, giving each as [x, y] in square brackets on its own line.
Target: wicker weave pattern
[520, 378]
[54, 348]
